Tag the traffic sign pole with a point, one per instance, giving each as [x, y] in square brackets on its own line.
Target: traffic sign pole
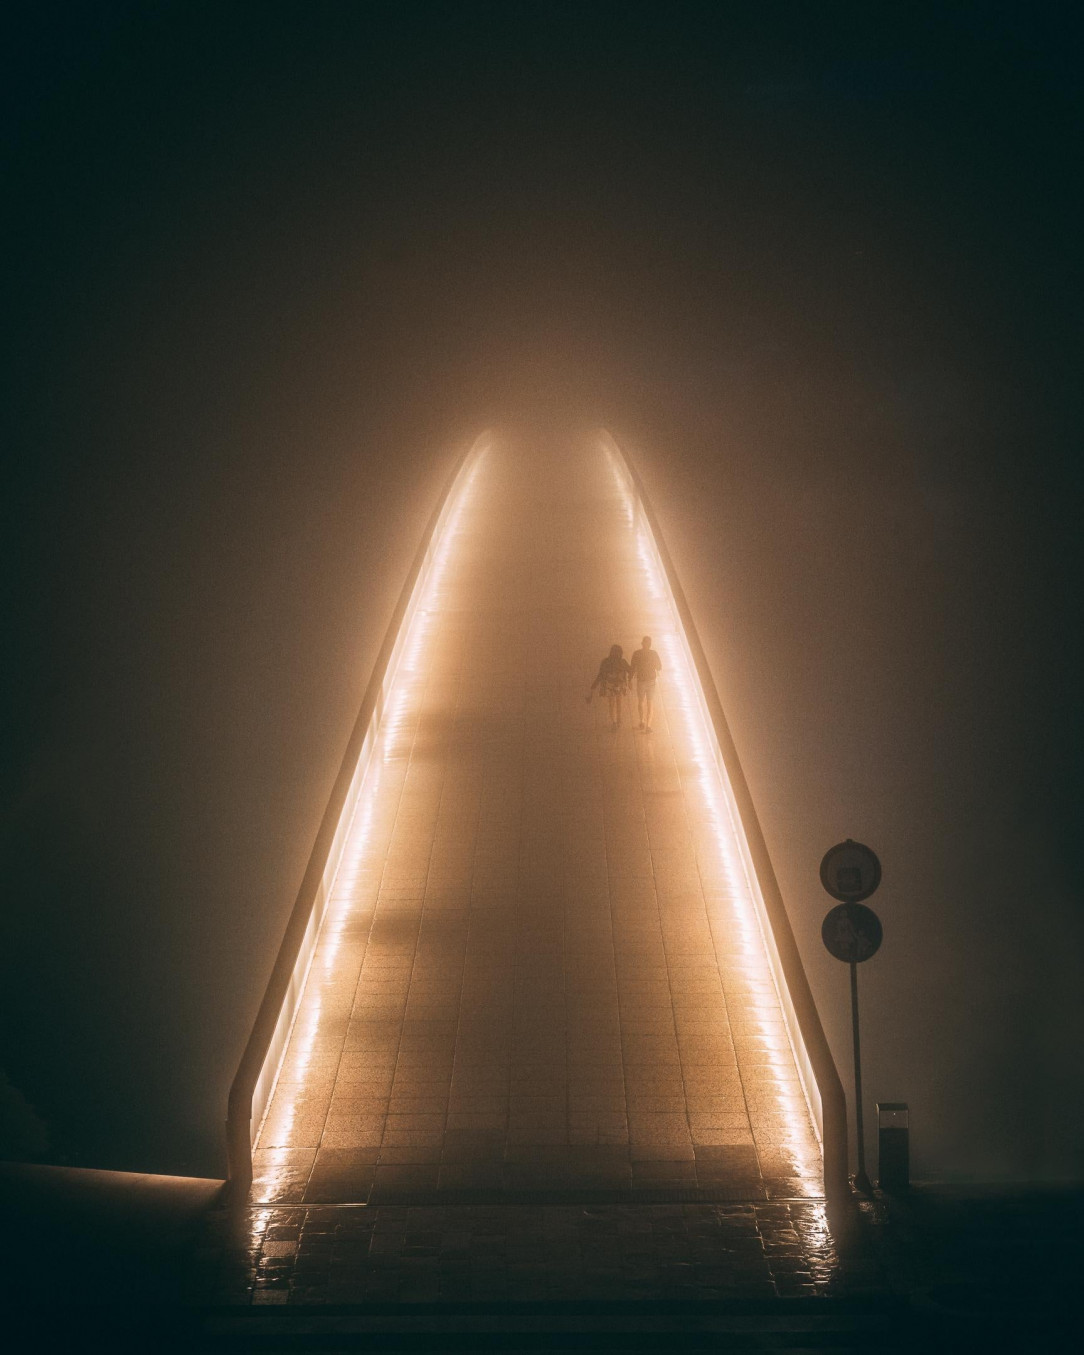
[861, 1178]
[852, 933]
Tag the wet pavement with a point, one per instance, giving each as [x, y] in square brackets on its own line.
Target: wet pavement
[541, 977]
[156, 1263]
[984, 1270]
[432, 1254]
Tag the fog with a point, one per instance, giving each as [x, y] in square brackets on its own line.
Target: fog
[271, 268]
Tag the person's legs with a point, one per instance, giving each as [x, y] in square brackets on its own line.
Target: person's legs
[614, 700]
[640, 695]
[647, 702]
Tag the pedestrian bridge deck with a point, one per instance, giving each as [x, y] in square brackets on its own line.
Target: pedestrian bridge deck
[540, 968]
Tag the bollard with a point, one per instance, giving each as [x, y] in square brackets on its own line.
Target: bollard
[893, 1146]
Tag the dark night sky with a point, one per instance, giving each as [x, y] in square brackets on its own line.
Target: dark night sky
[269, 265]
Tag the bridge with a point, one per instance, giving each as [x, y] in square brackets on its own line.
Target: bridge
[535, 957]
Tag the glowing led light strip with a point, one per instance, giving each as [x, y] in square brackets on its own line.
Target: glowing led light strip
[686, 701]
[294, 1030]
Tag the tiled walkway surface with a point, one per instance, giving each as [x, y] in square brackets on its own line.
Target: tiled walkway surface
[321, 1254]
[540, 970]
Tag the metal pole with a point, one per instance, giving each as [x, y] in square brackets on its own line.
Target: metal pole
[861, 1180]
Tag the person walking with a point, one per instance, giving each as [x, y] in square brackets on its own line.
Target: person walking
[613, 682]
[645, 668]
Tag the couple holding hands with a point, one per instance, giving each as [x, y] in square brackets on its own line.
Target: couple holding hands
[614, 674]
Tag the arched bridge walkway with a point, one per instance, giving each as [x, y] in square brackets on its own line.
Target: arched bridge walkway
[540, 970]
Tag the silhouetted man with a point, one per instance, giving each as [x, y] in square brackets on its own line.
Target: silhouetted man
[646, 667]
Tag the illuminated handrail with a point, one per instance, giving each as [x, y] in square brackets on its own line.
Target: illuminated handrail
[254, 1082]
[813, 1057]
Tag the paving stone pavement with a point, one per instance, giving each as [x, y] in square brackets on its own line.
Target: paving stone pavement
[946, 1270]
[540, 1057]
[943, 1270]
[430, 1254]
[541, 966]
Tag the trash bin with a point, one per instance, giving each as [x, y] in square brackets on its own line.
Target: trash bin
[893, 1146]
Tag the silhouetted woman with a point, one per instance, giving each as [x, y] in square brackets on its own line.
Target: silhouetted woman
[613, 681]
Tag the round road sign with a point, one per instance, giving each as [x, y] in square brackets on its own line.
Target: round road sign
[850, 871]
[852, 932]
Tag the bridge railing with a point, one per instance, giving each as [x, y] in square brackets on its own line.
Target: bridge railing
[255, 1080]
[813, 1057]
